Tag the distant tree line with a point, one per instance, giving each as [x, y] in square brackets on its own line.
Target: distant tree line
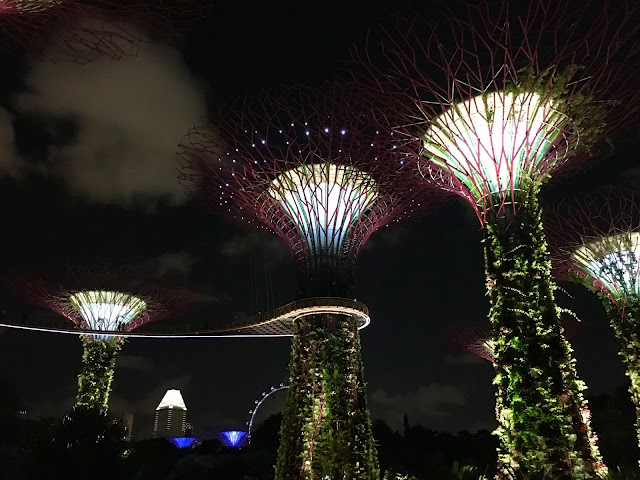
[89, 444]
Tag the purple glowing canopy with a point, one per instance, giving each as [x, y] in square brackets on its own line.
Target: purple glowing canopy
[233, 438]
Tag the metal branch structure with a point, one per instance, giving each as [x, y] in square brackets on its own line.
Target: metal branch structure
[478, 340]
[302, 165]
[488, 102]
[596, 241]
[97, 301]
[497, 99]
[473, 339]
[84, 30]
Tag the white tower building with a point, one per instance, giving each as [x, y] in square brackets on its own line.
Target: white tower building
[171, 416]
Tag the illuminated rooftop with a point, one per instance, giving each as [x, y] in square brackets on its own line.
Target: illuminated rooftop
[172, 399]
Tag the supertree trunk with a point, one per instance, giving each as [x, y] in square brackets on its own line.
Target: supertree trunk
[326, 430]
[96, 374]
[626, 329]
[542, 425]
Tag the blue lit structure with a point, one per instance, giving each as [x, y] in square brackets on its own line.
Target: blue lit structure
[183, 442]
[233, 438]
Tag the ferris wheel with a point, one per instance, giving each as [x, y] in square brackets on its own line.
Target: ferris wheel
[259, 402]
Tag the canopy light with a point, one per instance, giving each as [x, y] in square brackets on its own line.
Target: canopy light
[183, 442]
[172, 399]
[28, 6]
[613, 261]
[324, 201]
[495, 141]
[233, 438]
[105, 310]
[486, 348]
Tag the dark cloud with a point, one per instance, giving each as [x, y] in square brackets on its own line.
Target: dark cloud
[462, 359]
[175, 264]
[9, 161]
[130, 117]
[249, 242]
[426, 402]
[135, 362]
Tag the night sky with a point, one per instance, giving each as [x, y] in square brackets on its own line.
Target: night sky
[88, 170]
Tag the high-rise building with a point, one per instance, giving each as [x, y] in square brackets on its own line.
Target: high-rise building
[127, 418]
[171, 416]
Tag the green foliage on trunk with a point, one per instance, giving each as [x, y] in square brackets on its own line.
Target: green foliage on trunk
[539, 402]
[96, 374]
[326, 429]
[625, 323]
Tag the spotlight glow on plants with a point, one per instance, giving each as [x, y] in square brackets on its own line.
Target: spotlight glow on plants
[487, 102]
[596, 242]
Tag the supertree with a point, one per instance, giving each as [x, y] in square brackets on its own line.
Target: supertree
[478, 339]
[101, 301]
[474, 339]
[490, 102]
[83, 30]
[595, 240]
[301, 165]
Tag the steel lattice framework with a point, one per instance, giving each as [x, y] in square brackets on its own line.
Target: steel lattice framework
[488, 101]
[478, 339]
[495, 100]
[303, 165]
[596, 237]
[473, 339]
[98, 297]
[81, 31]
[98, 300]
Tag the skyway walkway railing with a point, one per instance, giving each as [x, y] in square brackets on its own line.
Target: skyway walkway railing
[275, 323]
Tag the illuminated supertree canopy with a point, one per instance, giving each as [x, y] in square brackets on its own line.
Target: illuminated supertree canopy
[233, 438]
[81, 31]
[596, 241]
[473, 339]
[295, 164]
[301, 164]
[97, 299]
[184, 442]
[478, 339]
[495, 101]
[490, 102]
